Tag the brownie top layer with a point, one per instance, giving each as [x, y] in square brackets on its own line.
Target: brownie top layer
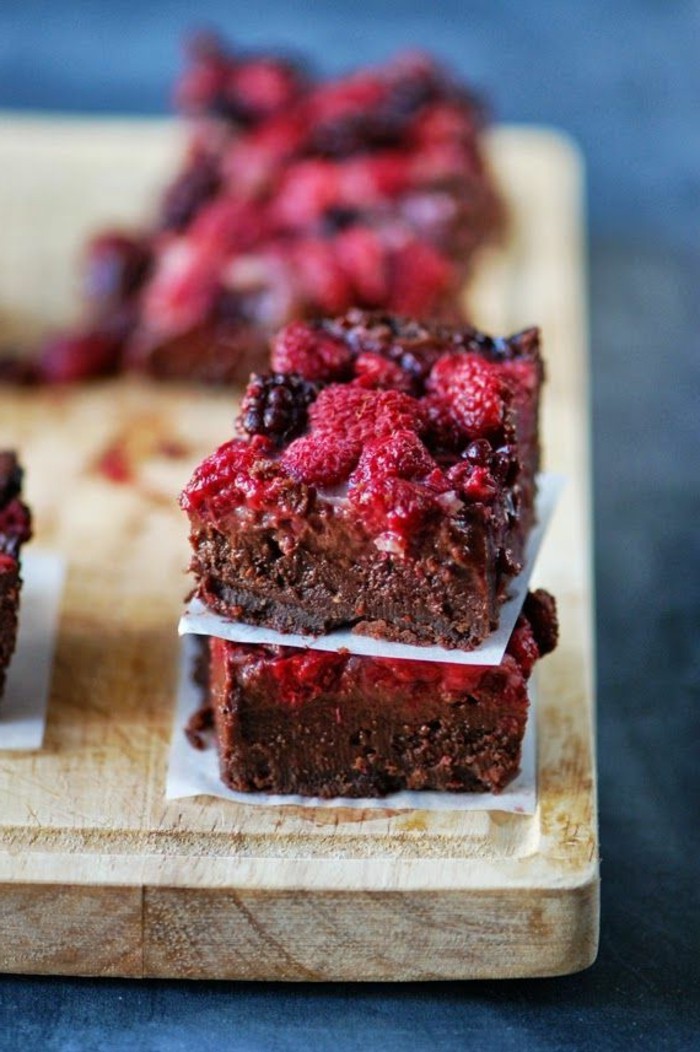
[15, 520]
[402, 421]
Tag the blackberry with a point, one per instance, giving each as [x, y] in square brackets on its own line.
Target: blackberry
[505, 465]
[10, 477]
[276, 405]
[185, 197]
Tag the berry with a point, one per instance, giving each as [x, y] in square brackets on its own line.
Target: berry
[364, 260]
[276, 406]
[311, 352]
[396, 485]
[372, 370]
[479, 452]
[186, 195]
[362, 415]
[304, 675]
[475, 392]
[321, 459]
[421, 278]
[323, 284]
[70, 357]
[239, 473]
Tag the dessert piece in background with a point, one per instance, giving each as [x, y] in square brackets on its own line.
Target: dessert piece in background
[324, 724]
[15, 530]
[295, 199]
[384, 478]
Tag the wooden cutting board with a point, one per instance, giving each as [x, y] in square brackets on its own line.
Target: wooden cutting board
[99, 874]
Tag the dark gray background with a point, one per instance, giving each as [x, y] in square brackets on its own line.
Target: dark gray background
[624, 79]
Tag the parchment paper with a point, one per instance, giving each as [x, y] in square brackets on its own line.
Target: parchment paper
[194, 772]
[200, 621]
[23, 705]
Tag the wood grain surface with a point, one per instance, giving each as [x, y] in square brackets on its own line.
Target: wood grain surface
[99, 874]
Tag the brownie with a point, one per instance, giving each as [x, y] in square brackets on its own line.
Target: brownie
[15, 530]
[384, 478]
[335, 724]
[296, 198]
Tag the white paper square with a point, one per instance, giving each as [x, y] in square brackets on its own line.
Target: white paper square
[23, 705]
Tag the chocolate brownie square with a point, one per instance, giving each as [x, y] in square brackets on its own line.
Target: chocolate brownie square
[384, 480]
[322, 724]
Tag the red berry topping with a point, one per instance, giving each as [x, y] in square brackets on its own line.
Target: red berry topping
[301, 348]
[421, 278]
[70, 357]
[276, 406]
[302, 676]
[238, 473]
[360, 414]
[372, 370]
[474, 392]
[396, 485]
[321, 458]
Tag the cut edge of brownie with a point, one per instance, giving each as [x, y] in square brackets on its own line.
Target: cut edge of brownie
[15, 530]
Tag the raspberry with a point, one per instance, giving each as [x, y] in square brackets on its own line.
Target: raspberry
[364, 260]
[307, 190]
[477, 395]
[321, 459]
[401, 455]
[304, 349]
[71, 357]
[323, 283]
[264, 86]
[183, 289]
[421, 278]
[303, 676]
[276, 406]
[371, 370]
[239, 473]
[227, 224]
[371, 180]
[362, 414]
[355, 94]
[396, 485]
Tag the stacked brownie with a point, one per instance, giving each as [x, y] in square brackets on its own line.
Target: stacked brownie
[295, 199]
[383, 479]
[15, 530]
